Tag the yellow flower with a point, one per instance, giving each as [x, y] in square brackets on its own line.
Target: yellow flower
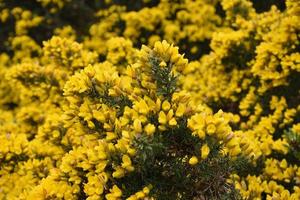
[166, 105]
[115, 193]
[162, 117]
[193, 160]
[162, 64]
[119, 172]
[232, 142]
[180, 110]
[141, 107]
[110, 136]
[126, 163]
[150, 129]
[211, 129]
[201, 134]
[137, 124]
[140, 194]
[173, 122]
[204, 151]
[132, 197]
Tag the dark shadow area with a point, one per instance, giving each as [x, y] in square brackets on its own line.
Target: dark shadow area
[265, 5]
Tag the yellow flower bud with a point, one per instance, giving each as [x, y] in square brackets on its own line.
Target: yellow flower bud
[235, 151]
[142, 107]
[110, 136]
[132, 197]
[146, 190]
[131, 151]
[201, 134]
[162, 118]
[173, 122]
[162, 128]
[140, 195]
[233, 142]
[166, 105]
[211, 129]
[150, 129]
[119, 173]
[283, 164]
[193, 160]
[116, 191]
[126, 163]
[125, 134]
[180, 110]
[204, 151]
[163, 64]
[137, 126]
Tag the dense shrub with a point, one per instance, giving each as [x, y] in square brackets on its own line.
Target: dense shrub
[149, 99]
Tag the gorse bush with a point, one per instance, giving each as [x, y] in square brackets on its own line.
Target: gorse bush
[149, 99]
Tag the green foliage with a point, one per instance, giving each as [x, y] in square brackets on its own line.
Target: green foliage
[164, 77]
[294, 141]
[161, 160]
